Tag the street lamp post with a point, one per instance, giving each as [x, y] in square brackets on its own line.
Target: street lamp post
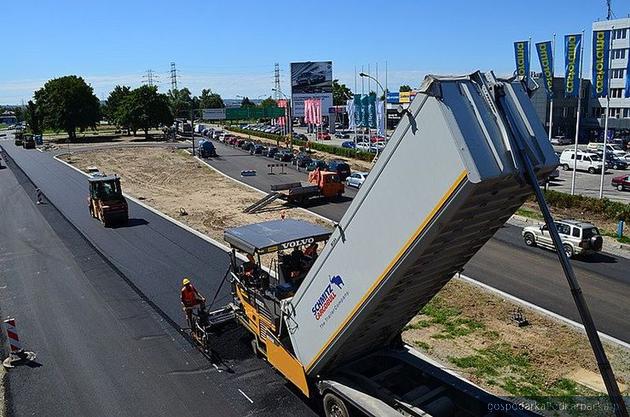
[384, 105]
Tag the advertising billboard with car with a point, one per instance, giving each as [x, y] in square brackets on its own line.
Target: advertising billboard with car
[311, 80]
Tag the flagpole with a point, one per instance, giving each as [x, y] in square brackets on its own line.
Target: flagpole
[354, 105]
[385, 103]
[553, 54]
[577, 123]
[601, 180]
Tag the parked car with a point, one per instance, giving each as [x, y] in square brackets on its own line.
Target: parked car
[613, 161]
[377, 138]
[216, 134]
[284, 155]
[247, 145]
[621, 142]
[596, 146]
[356, 179]
[621, 182]
[365, 147]
[577, 237]
[300, 136]
[271, 151]
[348, 144]
[206, 149]
[586, 161]
[342, 135]
[257, 149]
[561, 140]
[317, 163]
[323, 136]
[302, 160]
[341, 168]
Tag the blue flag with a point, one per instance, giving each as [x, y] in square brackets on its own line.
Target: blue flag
[521, 56]
[572, 50]
[601, 52]
[545, 56]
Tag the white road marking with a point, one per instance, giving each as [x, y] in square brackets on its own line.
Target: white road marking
[245, 395]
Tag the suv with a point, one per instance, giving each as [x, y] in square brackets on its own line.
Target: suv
[577, 237]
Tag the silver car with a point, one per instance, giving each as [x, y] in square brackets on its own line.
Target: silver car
[577, 237]
[356, 179]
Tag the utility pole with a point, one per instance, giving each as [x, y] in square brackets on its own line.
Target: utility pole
[173, 77]
[610, 13]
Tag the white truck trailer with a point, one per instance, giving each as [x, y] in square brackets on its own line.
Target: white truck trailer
[450, 176]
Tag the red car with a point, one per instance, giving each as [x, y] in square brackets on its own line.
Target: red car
[375, 139]
[323, 136]
[621, 183]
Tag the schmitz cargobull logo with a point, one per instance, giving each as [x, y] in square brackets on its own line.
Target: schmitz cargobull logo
[327, 296]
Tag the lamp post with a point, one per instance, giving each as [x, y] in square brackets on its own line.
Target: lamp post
[364, 75]
[289, 116]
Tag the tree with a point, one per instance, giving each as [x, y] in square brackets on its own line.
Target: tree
[210, 100]
[268, 102]
[114, 106]
[246, 102]
[34, 118]
[341, 93]
[145, 108]
[404, 88]
[68, 103]
[180, 101]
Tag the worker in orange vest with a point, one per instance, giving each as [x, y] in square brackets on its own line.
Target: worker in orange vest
[191, 298]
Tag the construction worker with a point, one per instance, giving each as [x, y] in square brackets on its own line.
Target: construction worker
[311, 251]
[191, 298]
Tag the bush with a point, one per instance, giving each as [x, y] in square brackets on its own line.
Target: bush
[335, 150]
[611, 209]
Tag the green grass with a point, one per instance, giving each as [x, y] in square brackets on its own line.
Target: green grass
[448, 319]
[622, 239]
[532, 214]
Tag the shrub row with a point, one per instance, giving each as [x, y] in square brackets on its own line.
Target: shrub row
[335, 150]
[613, 210]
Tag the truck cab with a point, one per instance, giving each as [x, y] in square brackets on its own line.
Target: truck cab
[329, 183]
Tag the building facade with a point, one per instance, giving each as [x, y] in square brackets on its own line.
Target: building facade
[619, 120]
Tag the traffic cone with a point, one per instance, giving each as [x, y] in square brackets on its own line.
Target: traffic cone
[18, 354]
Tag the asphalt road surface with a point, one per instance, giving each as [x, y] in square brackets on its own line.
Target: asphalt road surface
[108, 343]
[505, 263]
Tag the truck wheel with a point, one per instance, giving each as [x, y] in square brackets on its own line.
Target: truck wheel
[565, 167]
[591, 170]
[529, 239]
[334, 406]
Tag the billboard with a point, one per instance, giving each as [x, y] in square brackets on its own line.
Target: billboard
[311, 80]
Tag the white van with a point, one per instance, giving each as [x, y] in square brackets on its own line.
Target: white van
[586, 161]
[615, 149]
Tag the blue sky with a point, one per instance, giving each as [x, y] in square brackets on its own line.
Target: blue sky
[231, 46]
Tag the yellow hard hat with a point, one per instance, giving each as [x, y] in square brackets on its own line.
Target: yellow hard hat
[185, 281]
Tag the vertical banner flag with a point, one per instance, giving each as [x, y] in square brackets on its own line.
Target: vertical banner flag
[572, 48]
[351, 113]
[545, 56]
[521, 55]
[380, 104]
[601, 50]
[365, 104]
[372, 111]
[357, 109]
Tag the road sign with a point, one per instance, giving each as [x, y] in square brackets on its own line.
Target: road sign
[245, 113]
[213, 114]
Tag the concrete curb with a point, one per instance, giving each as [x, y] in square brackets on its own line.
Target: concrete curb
[539, 309]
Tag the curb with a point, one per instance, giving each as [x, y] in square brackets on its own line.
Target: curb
[539, 309]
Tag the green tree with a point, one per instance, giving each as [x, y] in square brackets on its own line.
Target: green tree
[404, 88]
[341, 93]
[33, 118]
[180, 101]
[113, 109]
[145, 108]
[210, 100]
[246, 102]
[68, 103]
[268, 102]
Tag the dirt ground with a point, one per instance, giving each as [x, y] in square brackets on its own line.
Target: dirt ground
[171, 181]
[464, 327]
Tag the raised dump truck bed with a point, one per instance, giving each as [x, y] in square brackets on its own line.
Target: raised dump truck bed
[450, 176]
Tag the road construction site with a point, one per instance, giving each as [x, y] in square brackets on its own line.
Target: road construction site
[463, 328]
